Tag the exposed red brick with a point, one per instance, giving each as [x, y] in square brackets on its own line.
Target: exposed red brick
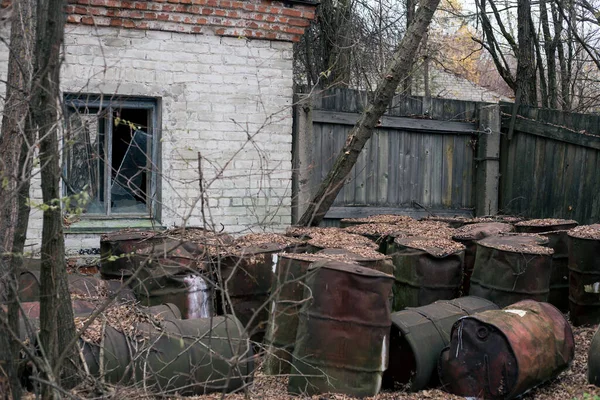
[291, 12]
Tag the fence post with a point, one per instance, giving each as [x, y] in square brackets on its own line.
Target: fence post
[302, 157]
[488, 161]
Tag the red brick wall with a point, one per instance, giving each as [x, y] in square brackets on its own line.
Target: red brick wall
[261, 19]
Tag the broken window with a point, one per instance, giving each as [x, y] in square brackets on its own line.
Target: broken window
[110, 155]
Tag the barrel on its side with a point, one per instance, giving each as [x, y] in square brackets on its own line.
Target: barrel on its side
[468, 235]
[584, 275]
[512, 268]
[189, 357]
[343, 333]
[115, 248]
[594, 360]
[426, 275]
[503, 354]
[419, 335]
[83, 286]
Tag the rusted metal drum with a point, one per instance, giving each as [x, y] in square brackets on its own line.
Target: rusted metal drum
[82, 286]
[288, 298]
[248, 275]
[512, 268]
[419, 335]
[584, 274]
[594, 360]
[190, 290]
[453, 222]
[503, 354]
[114, 248]
[378, 233]
[343, 332]
[468, 235]
[545, 225]
[399, 220]
[505, 219]
[365, 257]
[187, 357]
[426, 270]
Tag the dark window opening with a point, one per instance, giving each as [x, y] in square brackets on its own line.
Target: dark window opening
[109, 156]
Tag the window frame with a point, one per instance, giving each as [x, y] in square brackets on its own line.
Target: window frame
[79, 101]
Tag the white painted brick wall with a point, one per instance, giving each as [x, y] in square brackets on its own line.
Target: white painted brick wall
[216, 93]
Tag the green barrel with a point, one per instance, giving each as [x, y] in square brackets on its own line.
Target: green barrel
[343, 332]
[419, 335]
[287, 300]
[185, 357]
[468, 235]
[556, 230]
[512, 268]
[584, 274]
[426, 274]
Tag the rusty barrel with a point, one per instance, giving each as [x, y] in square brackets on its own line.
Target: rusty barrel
[115, 248]
[454, 222]
[419, 335]
[343, 331]
[426, 270]
[504, 353]
[512, 268]
[187, 357]
[288, 298]
[584, 274]
[378, 233]
[247, 275]
[594, 360]
[82, 286]
[468, 235]
[368, 258]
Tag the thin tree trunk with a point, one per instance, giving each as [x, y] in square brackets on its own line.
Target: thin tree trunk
[15, 145]
[550, 50]
[526, 81]
[540, 68]
[397, 72]
[407, 84]
[57, 328]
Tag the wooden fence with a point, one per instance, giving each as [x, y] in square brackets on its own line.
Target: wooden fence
[550, 166]
[421, 157]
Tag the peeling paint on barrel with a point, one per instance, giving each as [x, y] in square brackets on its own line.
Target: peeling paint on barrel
[418, 336]
[504, 353]
[584, 279]
[342, 331]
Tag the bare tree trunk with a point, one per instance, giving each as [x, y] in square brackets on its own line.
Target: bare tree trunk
[397, 72]
[550, 50]
[407, 84]
[57, 328]
[526, 82]
[16, 140]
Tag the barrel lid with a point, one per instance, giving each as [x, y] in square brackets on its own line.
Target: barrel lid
[508, 219]
[591, 232]
[366, 254]
[437, 247]
[518, 243]
[481, 230]
[349, 268]
[374, 229]
[380, 219]
[129, 234]
[549, 222]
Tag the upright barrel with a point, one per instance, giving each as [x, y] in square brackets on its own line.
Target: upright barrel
[512, 268]
[419, 335]
[343, 332]
[556, 232]
[288, 298]
[501, 354]
[468, 235]
[378, 233]
[584, 274]
[426, 270]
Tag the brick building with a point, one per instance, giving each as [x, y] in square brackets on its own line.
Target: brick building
[157, 93]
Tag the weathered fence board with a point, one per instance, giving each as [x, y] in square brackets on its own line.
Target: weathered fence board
[420, 157]
[550, 167]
